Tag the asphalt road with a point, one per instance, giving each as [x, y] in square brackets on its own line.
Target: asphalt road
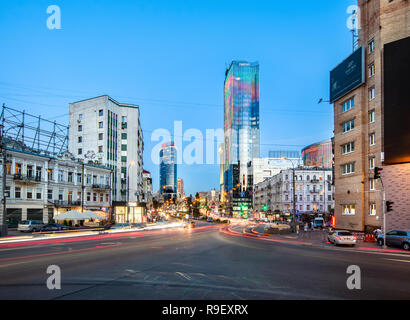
[203, 263]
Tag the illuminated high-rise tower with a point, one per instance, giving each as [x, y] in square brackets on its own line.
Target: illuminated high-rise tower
[168, 169]
[241, 126]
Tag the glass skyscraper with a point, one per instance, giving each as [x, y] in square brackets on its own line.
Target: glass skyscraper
[241, 127]
[168, 169]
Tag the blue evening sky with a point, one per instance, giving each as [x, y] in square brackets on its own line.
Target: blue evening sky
[169, 57]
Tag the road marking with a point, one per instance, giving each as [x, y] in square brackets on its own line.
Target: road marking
[184, 275]
[408, 261]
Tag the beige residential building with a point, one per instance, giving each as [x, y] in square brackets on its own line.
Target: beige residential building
[359, 142]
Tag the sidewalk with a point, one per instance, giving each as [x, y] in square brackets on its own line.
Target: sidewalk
[319, 238]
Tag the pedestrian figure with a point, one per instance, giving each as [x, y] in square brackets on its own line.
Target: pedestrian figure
[313, 226]
[306, 227]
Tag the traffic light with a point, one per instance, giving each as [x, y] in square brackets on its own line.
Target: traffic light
[389, 206]
[377, 172]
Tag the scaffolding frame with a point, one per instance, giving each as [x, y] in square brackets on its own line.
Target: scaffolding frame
[32, 133]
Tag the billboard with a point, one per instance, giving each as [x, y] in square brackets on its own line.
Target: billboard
[348, 75]
[396, 102]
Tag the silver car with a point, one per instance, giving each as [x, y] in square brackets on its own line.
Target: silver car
[30, 226]
[342, 237]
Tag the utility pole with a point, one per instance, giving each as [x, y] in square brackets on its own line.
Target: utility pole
[82, 188]
[3, 224]
[294, 200]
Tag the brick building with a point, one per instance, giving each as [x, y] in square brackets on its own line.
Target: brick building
[359, 127]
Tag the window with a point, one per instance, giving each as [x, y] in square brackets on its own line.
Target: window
[80, 139]
[123, 119]
[100, 149]
[308, 207]
[372, 93]
[101, 124]
[124, 136]
[329, 198]
[372, 209]
[101, 197]
[50, 194]
[100, 136]
[94, 197]
[88, 196]
[88, 178]
[123, 147]
[80, 128]
[372, 116]
[18, 168]
[60, 176]
[349, 104]
[30, 171]
[348, 168]
[101, 112]
[329, 187]
[348, 126]
[371, 185]
[349, 210]
[29, 193]
[371, 70]
[80, 116]
[7, 192]
[79, 177]
[348, 148]
[371, 46]
[371, 163]
[372, 139]
[17, 192]
[70, 177]
[60, 195]
[38, 193]
[80, 151]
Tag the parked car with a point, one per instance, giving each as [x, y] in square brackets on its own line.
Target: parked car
[30, 226]
[53, 227]
[342, 237]
[397, 238]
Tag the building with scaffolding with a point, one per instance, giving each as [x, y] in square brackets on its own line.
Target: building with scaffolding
[41, 178]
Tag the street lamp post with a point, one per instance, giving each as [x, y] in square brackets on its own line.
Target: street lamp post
[132, 163]
[293, 195]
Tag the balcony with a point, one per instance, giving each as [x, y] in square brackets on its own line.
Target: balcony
[65, 203]
[314, 191]
[314, 181]
[101, 187]
[26, 179]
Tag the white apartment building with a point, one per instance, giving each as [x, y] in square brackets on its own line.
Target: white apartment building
[109, 133]
[313, 189]
[40, 187]
[264, 168]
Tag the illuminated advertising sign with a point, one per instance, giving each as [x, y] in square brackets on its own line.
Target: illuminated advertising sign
[348, 75]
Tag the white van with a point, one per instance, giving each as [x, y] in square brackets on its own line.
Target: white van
[30, 225]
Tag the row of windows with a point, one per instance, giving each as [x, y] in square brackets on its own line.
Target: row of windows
[314, 198]
[349, 104]
[350, 209]
[37, 194]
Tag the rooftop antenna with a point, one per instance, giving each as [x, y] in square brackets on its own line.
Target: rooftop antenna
[355, 32]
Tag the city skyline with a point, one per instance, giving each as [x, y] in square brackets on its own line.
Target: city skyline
[42, 85]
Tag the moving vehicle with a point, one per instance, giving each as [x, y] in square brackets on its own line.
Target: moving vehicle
[342, 237]
[189, 225]
[53, 227]
[397, 238]
[121, 226]
[30, 226]
[318, 222]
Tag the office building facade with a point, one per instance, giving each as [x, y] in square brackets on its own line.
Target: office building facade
[168, 170]
[241, 134]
